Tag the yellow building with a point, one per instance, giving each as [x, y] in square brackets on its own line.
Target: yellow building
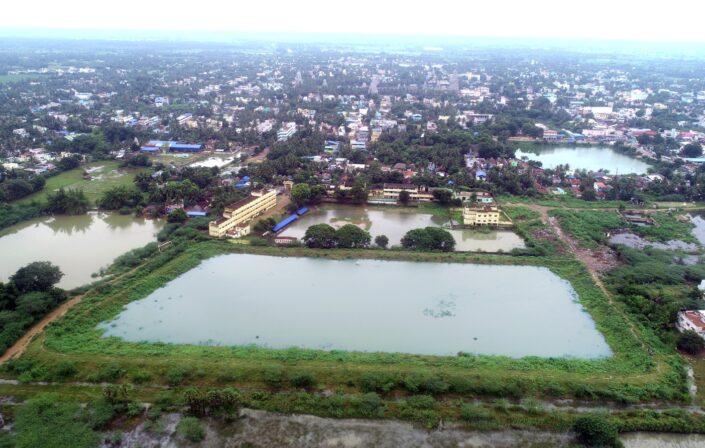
[486, 215]
[243, 211]
[416, 194]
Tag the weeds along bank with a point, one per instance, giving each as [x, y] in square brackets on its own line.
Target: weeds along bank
[72, 348]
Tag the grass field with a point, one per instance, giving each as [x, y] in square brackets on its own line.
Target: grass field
[632, 374]
[105, 174]
[16, 78]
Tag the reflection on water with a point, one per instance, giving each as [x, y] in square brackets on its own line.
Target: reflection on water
[366, 305]
[69, 224]
[79, 245]
[592, 158]
[395, 222]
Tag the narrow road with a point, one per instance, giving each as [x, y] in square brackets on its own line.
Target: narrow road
[19, 347]
[584, 256]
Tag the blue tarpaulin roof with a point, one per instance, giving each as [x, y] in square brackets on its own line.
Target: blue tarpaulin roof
[284, 223]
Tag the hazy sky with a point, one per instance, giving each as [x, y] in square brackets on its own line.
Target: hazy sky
[673, 20]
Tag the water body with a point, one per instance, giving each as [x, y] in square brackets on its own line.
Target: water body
[366, 305]
[591, 158]
[79, 245]
[699, 229]
[637, 242]
[394, 223]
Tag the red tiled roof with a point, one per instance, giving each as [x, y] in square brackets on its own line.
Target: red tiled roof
[696, 319]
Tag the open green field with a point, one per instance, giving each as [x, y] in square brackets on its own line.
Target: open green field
[105, 175]
[641, 367]
[17, 78]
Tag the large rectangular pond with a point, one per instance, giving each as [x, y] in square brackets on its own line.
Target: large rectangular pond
[395, 222]
[79, 245]
[366, 305]
[586, 157]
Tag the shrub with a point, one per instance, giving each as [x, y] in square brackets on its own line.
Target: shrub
[369, 405]
[302, 379]
[64, 370]
[690, 342]
[596, 430]
[474, 413]
[382, 241]
[377, 382]
[190, 428]
[273, 376]
[134, 409]
[141, 376]
[176, 375]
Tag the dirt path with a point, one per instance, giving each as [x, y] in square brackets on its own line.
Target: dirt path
[593, 265]
[19, 347]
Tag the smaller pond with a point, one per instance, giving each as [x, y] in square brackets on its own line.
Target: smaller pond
[366, 305]
[699, 229]
[79, 245]
[637, 242]
[395, 222]
[591, 158]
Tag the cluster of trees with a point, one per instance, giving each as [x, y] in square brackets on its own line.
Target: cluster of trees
[324, 236]
[303, 194]
[120, 196]
[429, 238]
[26, 298]
[19, 186]
[67, 202]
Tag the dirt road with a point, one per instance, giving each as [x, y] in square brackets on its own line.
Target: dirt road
[20, 346]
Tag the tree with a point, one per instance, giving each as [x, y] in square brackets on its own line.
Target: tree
[404, 197]
[429, 238]
[320, 236]
[382, 241]
[37, 276]
[120, 196]
[68, 202]
[300, 194]
[589, 195]
[351, 236]
[690, 342]
[359, 193]
[443, 196]
[69, 163]
[178, 216]
[596, 430]
[692, 150]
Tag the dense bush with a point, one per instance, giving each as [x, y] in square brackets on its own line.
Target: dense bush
[596, 430]
[67, 202]
[191, 429]
[47, 421]
[690, 342]
[429, 238]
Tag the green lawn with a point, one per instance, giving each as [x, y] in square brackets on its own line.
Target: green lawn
[105, 174]
[16, 78]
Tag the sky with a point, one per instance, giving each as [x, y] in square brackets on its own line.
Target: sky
[594, 19]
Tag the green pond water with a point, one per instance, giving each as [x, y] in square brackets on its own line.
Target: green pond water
[591, 158]
[366, 305]
[79, 245]
[395, 222]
